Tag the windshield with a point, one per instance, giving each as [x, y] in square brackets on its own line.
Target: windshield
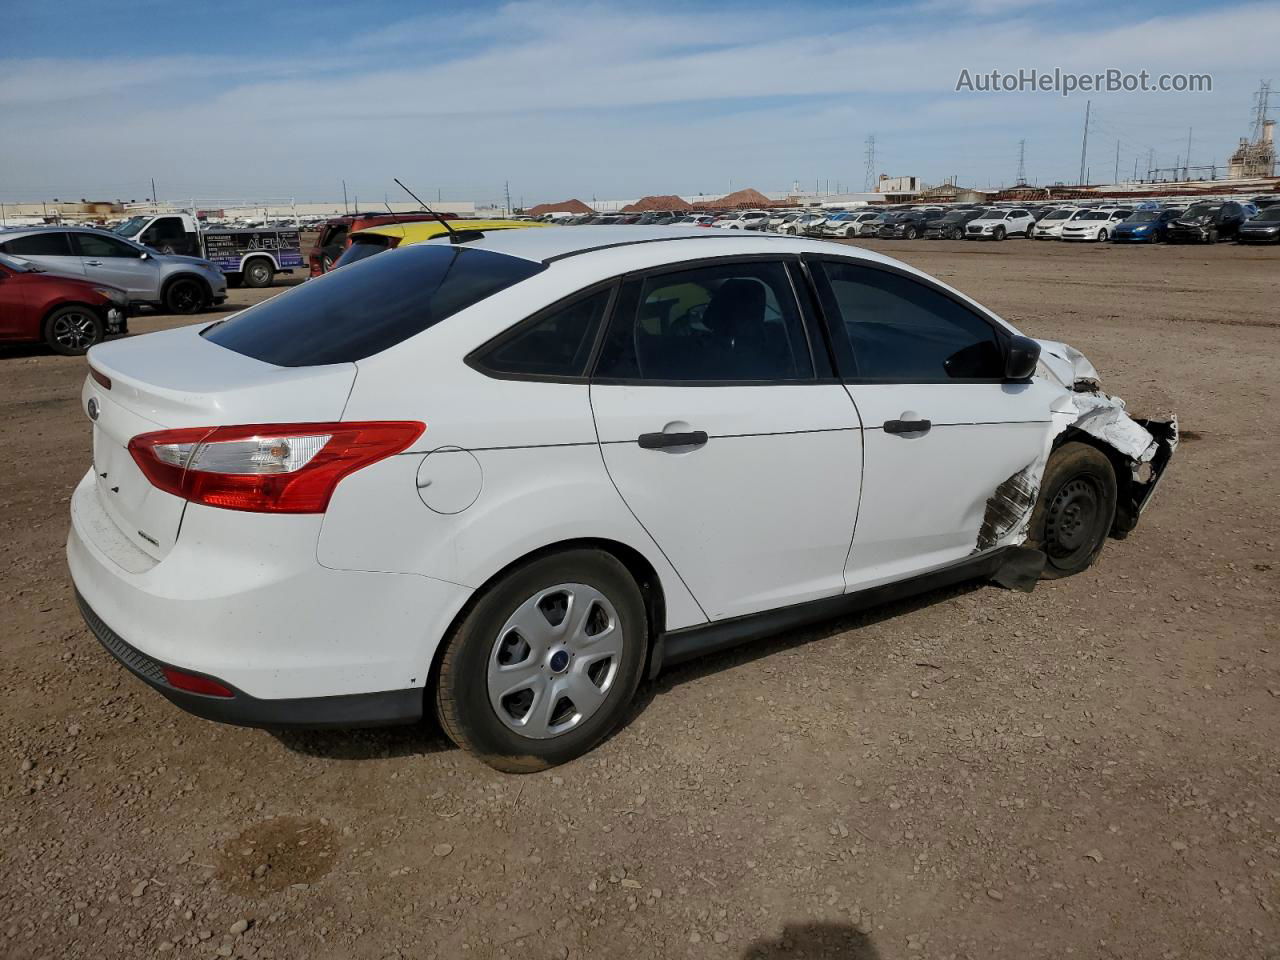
[1058, 214]
[1201, 210]
[130, 226]
[1143, 216]
[1269, 214]
[993, 215]
[363, 309]
[1094, 215]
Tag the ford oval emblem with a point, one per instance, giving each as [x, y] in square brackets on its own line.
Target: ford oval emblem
[93, 408]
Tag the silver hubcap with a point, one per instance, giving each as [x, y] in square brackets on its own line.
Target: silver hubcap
[555, 661]
[75, 331]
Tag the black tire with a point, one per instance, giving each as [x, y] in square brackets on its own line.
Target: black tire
[910, 233]
[73, 329]
[1075, 509]
[185, 296]
[463, 705]
[259, 272]
[998, 233]
[1102, 235]
[1213, 235]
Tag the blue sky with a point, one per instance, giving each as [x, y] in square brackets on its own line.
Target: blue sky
[608, 100]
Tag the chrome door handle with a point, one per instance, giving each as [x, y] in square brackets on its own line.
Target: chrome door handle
[93, 263]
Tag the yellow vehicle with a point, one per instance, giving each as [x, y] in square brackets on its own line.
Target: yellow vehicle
[371, 240]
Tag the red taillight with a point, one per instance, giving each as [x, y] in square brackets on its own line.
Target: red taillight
[194, 683]
[103, 380]
[267, 467]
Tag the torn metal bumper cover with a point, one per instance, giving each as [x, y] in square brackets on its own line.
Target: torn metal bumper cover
[1139, 450]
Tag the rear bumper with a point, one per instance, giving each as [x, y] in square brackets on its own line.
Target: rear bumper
[242, 598]
[386, 708]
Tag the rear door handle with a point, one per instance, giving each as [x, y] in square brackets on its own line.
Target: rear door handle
[907, 426]
[93, 263]
[656, 441]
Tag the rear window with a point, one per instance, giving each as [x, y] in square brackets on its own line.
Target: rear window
[363, 247]
[369, 306]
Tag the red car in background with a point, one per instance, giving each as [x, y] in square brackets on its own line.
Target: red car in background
[69, 314]
[334, 232]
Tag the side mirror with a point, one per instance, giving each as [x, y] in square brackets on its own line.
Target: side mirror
[1020, 358]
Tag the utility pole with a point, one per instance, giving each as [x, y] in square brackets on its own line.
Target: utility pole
[1084, 143]
[507, 188]
[1135, 170]
[868, 180]
[1151, 163]
[154, 198]
[1117, 176]
[1186, 172]
[345, 209]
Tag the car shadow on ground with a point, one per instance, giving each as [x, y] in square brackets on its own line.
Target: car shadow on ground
[417, 739]
[755, 650]
[814, 941]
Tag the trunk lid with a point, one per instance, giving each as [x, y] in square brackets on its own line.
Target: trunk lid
[176, 378]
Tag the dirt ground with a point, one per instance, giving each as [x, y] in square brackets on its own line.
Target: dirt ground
[1091, 770]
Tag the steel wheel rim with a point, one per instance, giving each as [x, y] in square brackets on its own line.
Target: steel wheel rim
[555, 661]
[1072, 517]
[75, 331]
[258, 273]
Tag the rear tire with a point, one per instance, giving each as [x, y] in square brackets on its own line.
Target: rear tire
[72, 330]
[481, 700]
[259, 273]
[186, 296]
[1075, 509]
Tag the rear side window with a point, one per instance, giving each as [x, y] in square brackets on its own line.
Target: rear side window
[556, 343]
[51, 244]
[901, 331]
[728, 322]
[365, 308]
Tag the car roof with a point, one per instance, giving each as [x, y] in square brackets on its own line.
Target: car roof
[655, 245]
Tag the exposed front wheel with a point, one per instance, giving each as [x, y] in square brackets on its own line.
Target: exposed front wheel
[1102, 236]
[998, 234]
[1075, 509]
[544, 665]
[72, 330]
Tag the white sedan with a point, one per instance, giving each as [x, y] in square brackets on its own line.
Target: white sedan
[1094, 225]
[506, 479]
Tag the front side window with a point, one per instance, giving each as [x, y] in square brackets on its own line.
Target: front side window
[50, 244]
[725, 322]
[99, 246]
[898, 330]
[557, 343]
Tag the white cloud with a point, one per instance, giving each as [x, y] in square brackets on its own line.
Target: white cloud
[563, 98]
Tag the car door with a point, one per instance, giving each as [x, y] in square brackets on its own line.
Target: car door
[50, 250]
[15, 306]
[951, 450]
[727, 435]
[111, 260]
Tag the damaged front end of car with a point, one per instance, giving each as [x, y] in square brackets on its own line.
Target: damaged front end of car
[1139, 451]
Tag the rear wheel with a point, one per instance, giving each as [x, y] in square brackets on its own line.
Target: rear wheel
[544, 665]
[186, 296]
[259, 273]
[72, 330]
[1075, 510]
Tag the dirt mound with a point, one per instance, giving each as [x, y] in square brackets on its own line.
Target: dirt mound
[564, 206]
[657, 204]
[747, 199]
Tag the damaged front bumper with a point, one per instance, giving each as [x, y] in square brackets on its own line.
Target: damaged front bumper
[1140, 449]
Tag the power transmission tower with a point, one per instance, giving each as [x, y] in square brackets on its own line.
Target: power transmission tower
[1084, 143]
[1022, 162]
[868, 180]
[1261, 102]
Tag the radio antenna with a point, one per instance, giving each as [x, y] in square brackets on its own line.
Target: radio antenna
[455, 236]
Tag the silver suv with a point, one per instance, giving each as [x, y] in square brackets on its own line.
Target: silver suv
[173, 283]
